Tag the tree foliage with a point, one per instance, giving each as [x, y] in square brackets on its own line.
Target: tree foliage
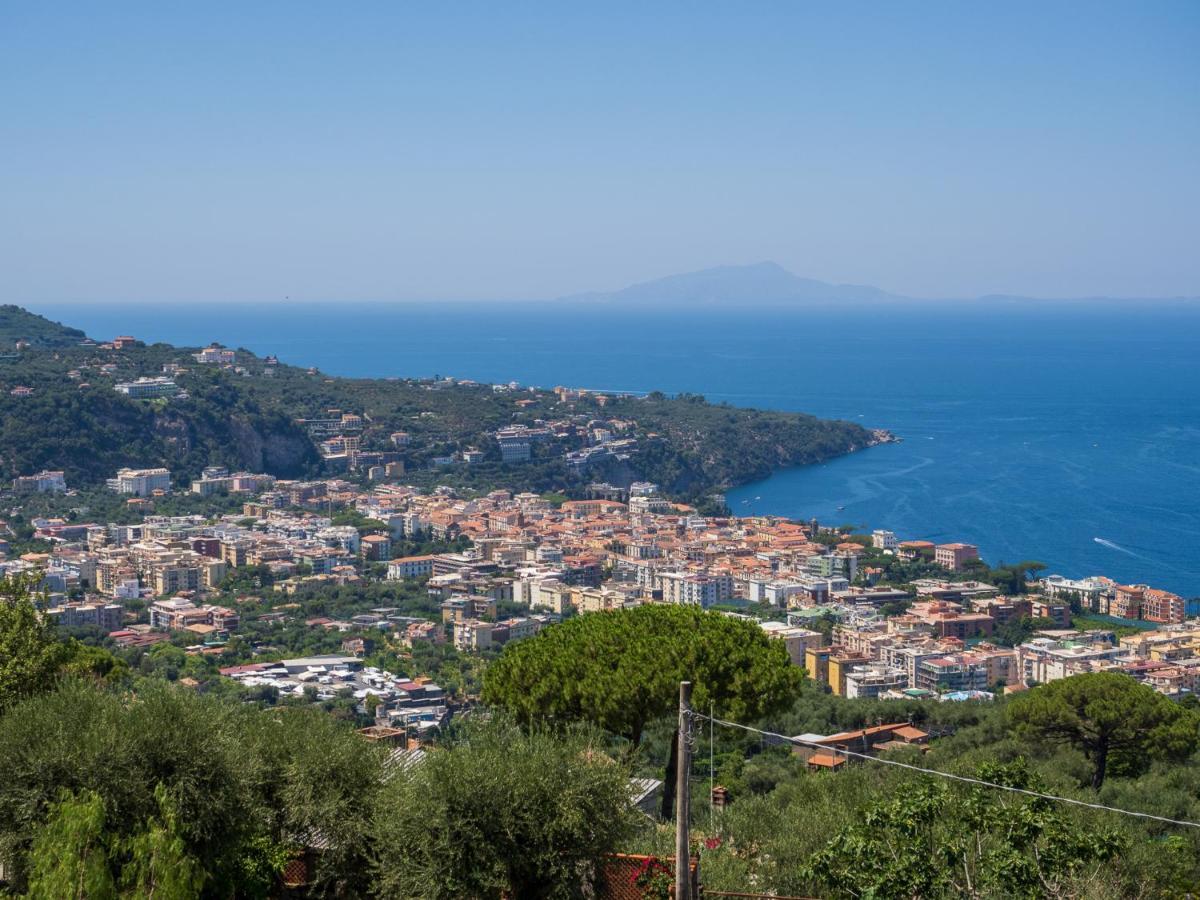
[78, 855]
[622, 669]
[938, 840]
[69, 859]
[501, 812]
[226, 785]
[1116, 722]
[249, 422]
[30, 653]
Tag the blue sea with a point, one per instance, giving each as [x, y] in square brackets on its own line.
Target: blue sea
[1065, 433]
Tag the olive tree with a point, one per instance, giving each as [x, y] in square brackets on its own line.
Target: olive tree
[30, 653]
[500, 812]
[230, 786]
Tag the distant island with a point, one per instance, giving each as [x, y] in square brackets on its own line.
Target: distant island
[764, 283]
[89, 407]
[768, 284]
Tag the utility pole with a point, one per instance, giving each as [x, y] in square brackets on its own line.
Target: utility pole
[683, 799]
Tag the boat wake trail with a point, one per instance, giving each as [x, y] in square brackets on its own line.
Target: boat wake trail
[1114, 546]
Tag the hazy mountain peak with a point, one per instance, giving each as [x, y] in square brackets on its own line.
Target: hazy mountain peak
[756, 284]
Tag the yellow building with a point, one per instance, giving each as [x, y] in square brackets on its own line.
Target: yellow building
[816, 661]
[839, 665]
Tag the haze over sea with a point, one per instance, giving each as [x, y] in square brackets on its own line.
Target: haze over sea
[1063, 432]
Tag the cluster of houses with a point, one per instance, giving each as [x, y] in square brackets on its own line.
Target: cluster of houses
[401, 706]
[613, 548]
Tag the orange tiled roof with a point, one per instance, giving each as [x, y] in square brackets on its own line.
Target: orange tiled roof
[826, 760]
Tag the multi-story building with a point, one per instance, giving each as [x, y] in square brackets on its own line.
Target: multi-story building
[1088, 591]
[472, 634]
[410, 567]
[193, 573]
[873, 679]
[517, 629]
[1163, 606]
[1058, 613]
[430, 632]
[462, 608]
[598, 599]
[376, 547]
[550, 594]
[215, 353]
[1002, 663]
[1004, 609]
[908, 657]
[46, 482]
[105, 616]
[148, 388]
[883, 540]
[1043, 659]
[180, 613]
[694, 588]
[1169, 642]
[958, 672]
[840, 664]
[796, 640]
[816, 663]
[216, 480]
[516, 442]
[955, 556]
[345, 537]
[1127, 601]
[833, 565]
[948, 620]
[915, 550]
[140, 482]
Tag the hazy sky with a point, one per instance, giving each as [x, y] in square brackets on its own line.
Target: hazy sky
[257, 151]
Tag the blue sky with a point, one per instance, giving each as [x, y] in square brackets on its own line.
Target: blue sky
[256, 151]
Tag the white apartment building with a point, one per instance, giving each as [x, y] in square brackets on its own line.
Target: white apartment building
[1043, 659]
[1087, 590]
[908, 658]
[148, 388]
[773, 591]
[883, 540]
[46, 482]
[345, 537]
[694, 588]
[140, 482]
[871, 680]
[214, 354]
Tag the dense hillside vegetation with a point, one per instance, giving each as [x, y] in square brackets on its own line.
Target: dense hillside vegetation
[17, 324]
[120, 784]
[243, 415]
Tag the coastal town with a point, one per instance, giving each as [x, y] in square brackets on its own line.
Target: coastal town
[565, 452]
[869, 615]
[396, 558]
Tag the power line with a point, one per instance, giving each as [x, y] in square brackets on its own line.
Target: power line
[948, 775]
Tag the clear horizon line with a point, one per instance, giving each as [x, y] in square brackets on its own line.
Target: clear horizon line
[604, 299]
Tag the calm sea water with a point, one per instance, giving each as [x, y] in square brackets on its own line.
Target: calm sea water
[1067, 434]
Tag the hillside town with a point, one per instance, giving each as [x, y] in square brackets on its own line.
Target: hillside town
[847, 607]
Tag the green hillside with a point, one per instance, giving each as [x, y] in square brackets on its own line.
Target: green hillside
[244, 416]
[17, 324]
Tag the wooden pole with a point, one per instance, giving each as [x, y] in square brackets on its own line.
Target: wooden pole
[683, 882]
